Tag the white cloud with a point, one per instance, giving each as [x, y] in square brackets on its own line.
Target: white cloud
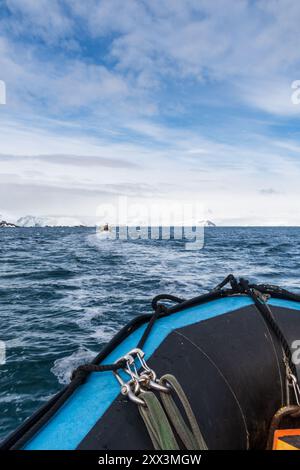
[251, 45]
[62, 86]
[133, 98]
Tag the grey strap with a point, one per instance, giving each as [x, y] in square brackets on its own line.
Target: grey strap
[190, 435]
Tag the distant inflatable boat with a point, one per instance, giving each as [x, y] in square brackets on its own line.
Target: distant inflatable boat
[104, 232]
[232, 351]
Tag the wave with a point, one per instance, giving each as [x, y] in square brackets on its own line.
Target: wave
[64, 367]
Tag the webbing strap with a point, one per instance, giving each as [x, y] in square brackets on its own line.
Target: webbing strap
[157, 423]
[190, 433]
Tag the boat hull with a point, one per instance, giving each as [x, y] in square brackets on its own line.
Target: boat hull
[222, 352]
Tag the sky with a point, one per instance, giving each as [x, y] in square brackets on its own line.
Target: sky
[157, 100]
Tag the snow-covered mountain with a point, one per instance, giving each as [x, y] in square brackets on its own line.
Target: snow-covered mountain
[32, 221]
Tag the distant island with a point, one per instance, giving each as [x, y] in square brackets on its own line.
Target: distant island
[31, 221]
[3, 223]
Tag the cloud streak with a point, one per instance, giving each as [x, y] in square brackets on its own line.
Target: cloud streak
[73, 160]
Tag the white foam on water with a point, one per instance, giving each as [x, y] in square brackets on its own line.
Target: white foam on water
[104, 333]
[90, 313]
[102, 243]
[19, 398]
[64, 367]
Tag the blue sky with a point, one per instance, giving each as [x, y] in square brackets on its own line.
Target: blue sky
[156, 100]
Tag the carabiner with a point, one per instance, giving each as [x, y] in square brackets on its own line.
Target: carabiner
[127, 391]
[296, 387]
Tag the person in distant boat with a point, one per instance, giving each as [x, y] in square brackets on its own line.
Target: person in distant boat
[105, 228]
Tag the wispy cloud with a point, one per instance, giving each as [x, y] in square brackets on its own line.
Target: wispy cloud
[269, 191]
[73, 160]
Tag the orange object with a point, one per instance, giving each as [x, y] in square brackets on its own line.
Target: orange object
[286, 439]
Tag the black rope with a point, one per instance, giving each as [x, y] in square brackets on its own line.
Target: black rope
[172, 298]
[256, 292]
[266, 312]
[159, 310]
[80, 374]
[259, 294]
[230, 279]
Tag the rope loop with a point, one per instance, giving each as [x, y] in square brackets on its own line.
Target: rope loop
[81, 373]
[171, 298]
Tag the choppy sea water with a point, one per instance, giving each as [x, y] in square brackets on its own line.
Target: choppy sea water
[64, 293]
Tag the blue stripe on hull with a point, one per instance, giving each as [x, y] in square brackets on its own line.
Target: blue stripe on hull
[89, 402]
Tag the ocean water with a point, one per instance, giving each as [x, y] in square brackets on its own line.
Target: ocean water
[64, 293]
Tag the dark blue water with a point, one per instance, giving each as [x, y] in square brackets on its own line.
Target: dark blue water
[64, 293]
